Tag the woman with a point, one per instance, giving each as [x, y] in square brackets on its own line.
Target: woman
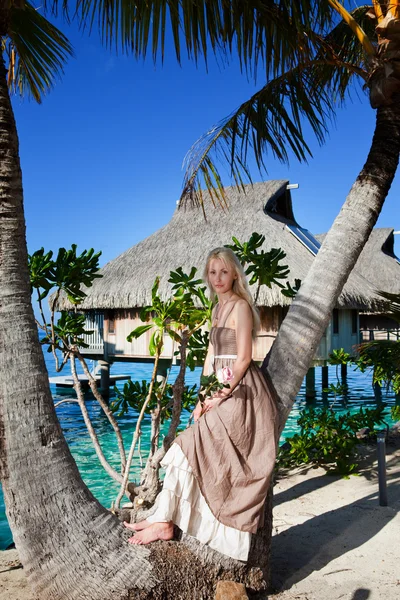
[218, 471]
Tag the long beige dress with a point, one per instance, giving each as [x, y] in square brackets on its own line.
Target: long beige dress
[218, 470]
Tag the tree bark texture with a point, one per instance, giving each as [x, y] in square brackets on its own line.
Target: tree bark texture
[67, 541]
[309, 314]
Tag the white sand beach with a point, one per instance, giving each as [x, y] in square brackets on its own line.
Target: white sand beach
[332, 540]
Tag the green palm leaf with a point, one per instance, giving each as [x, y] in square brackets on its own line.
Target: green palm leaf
[272, 120]
[260, 31]
[37, 52]
[343, 52]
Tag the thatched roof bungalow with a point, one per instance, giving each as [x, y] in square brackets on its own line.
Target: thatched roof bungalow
[379, 264]
[185, 242]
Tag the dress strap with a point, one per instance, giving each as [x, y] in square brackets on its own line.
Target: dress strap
[226, 315]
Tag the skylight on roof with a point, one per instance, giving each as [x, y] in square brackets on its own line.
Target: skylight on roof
[305, 237]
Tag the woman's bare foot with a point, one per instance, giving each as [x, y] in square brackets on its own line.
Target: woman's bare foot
[156, 531]
[137, 526]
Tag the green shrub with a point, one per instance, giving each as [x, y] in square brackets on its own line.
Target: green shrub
[328, 439]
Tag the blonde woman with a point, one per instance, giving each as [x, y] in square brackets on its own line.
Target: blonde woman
[218, 471]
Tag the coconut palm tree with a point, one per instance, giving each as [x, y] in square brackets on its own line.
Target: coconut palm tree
[71, 546]
[358, 47]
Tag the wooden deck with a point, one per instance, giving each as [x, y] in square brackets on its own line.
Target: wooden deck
[66, 381]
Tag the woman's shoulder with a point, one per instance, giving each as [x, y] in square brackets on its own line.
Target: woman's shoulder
[242, 307]
[242, 304]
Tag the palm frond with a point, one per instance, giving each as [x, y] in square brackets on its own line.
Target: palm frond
[37, 52]
[355, 27]
[260, 31]
[272, 120]
[344, 49]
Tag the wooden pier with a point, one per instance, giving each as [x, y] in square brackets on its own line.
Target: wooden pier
[66, 381]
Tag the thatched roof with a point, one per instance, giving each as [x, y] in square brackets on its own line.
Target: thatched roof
[378, 262]
[187, 239]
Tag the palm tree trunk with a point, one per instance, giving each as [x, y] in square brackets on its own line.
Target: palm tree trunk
[60, 530]
[309, 315]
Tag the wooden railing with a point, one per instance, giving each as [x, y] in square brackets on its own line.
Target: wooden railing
[94, 322]
[369, 335]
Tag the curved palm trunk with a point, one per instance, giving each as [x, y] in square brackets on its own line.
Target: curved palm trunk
[70, 546]
[59, 528]
[309, 314]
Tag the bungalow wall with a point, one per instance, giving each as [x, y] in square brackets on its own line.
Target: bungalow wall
[118, 324]
[345, 330]
[342, 332]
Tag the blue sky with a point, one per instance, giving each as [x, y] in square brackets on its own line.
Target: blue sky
[102, 156]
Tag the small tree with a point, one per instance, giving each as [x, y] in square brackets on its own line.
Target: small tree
[68, 273]
[181, 318]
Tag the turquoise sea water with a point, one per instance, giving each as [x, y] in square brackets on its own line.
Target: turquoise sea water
[359, 393]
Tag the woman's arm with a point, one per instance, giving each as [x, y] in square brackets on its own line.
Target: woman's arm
[207, 370]
[208, 367]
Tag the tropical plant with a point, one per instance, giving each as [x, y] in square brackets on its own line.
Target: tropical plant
[134, 393]
[310, 53]
[180, 317]
[68, 273]
[329, 439]
[338, 357]
[262, 267]
[383, 358]
[395, 413]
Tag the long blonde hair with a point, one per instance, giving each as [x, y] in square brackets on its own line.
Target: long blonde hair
[240, 285]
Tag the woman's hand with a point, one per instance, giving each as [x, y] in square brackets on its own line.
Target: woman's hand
[215, 399]
[222, 394]
[198, 411]
[210, 403]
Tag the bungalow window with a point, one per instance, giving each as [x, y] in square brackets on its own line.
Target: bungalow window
[305, 237]
[354, 321]
[111, 325]
[335, 321]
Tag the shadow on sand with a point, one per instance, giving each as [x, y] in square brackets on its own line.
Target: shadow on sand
[307, 547]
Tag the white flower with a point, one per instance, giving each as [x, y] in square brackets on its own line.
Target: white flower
[224, 374]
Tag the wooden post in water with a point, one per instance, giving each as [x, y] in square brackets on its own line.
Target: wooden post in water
[310, 383]
[104, 378]
[343, 372]
[377, 392]
[325, 377]
[162, 369]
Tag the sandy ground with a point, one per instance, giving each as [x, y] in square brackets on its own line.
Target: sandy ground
[332, 540]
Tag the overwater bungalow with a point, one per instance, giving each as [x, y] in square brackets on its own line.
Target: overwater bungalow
[114, 302]
[378, 264]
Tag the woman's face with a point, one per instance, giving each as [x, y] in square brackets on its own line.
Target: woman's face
[221, 276]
